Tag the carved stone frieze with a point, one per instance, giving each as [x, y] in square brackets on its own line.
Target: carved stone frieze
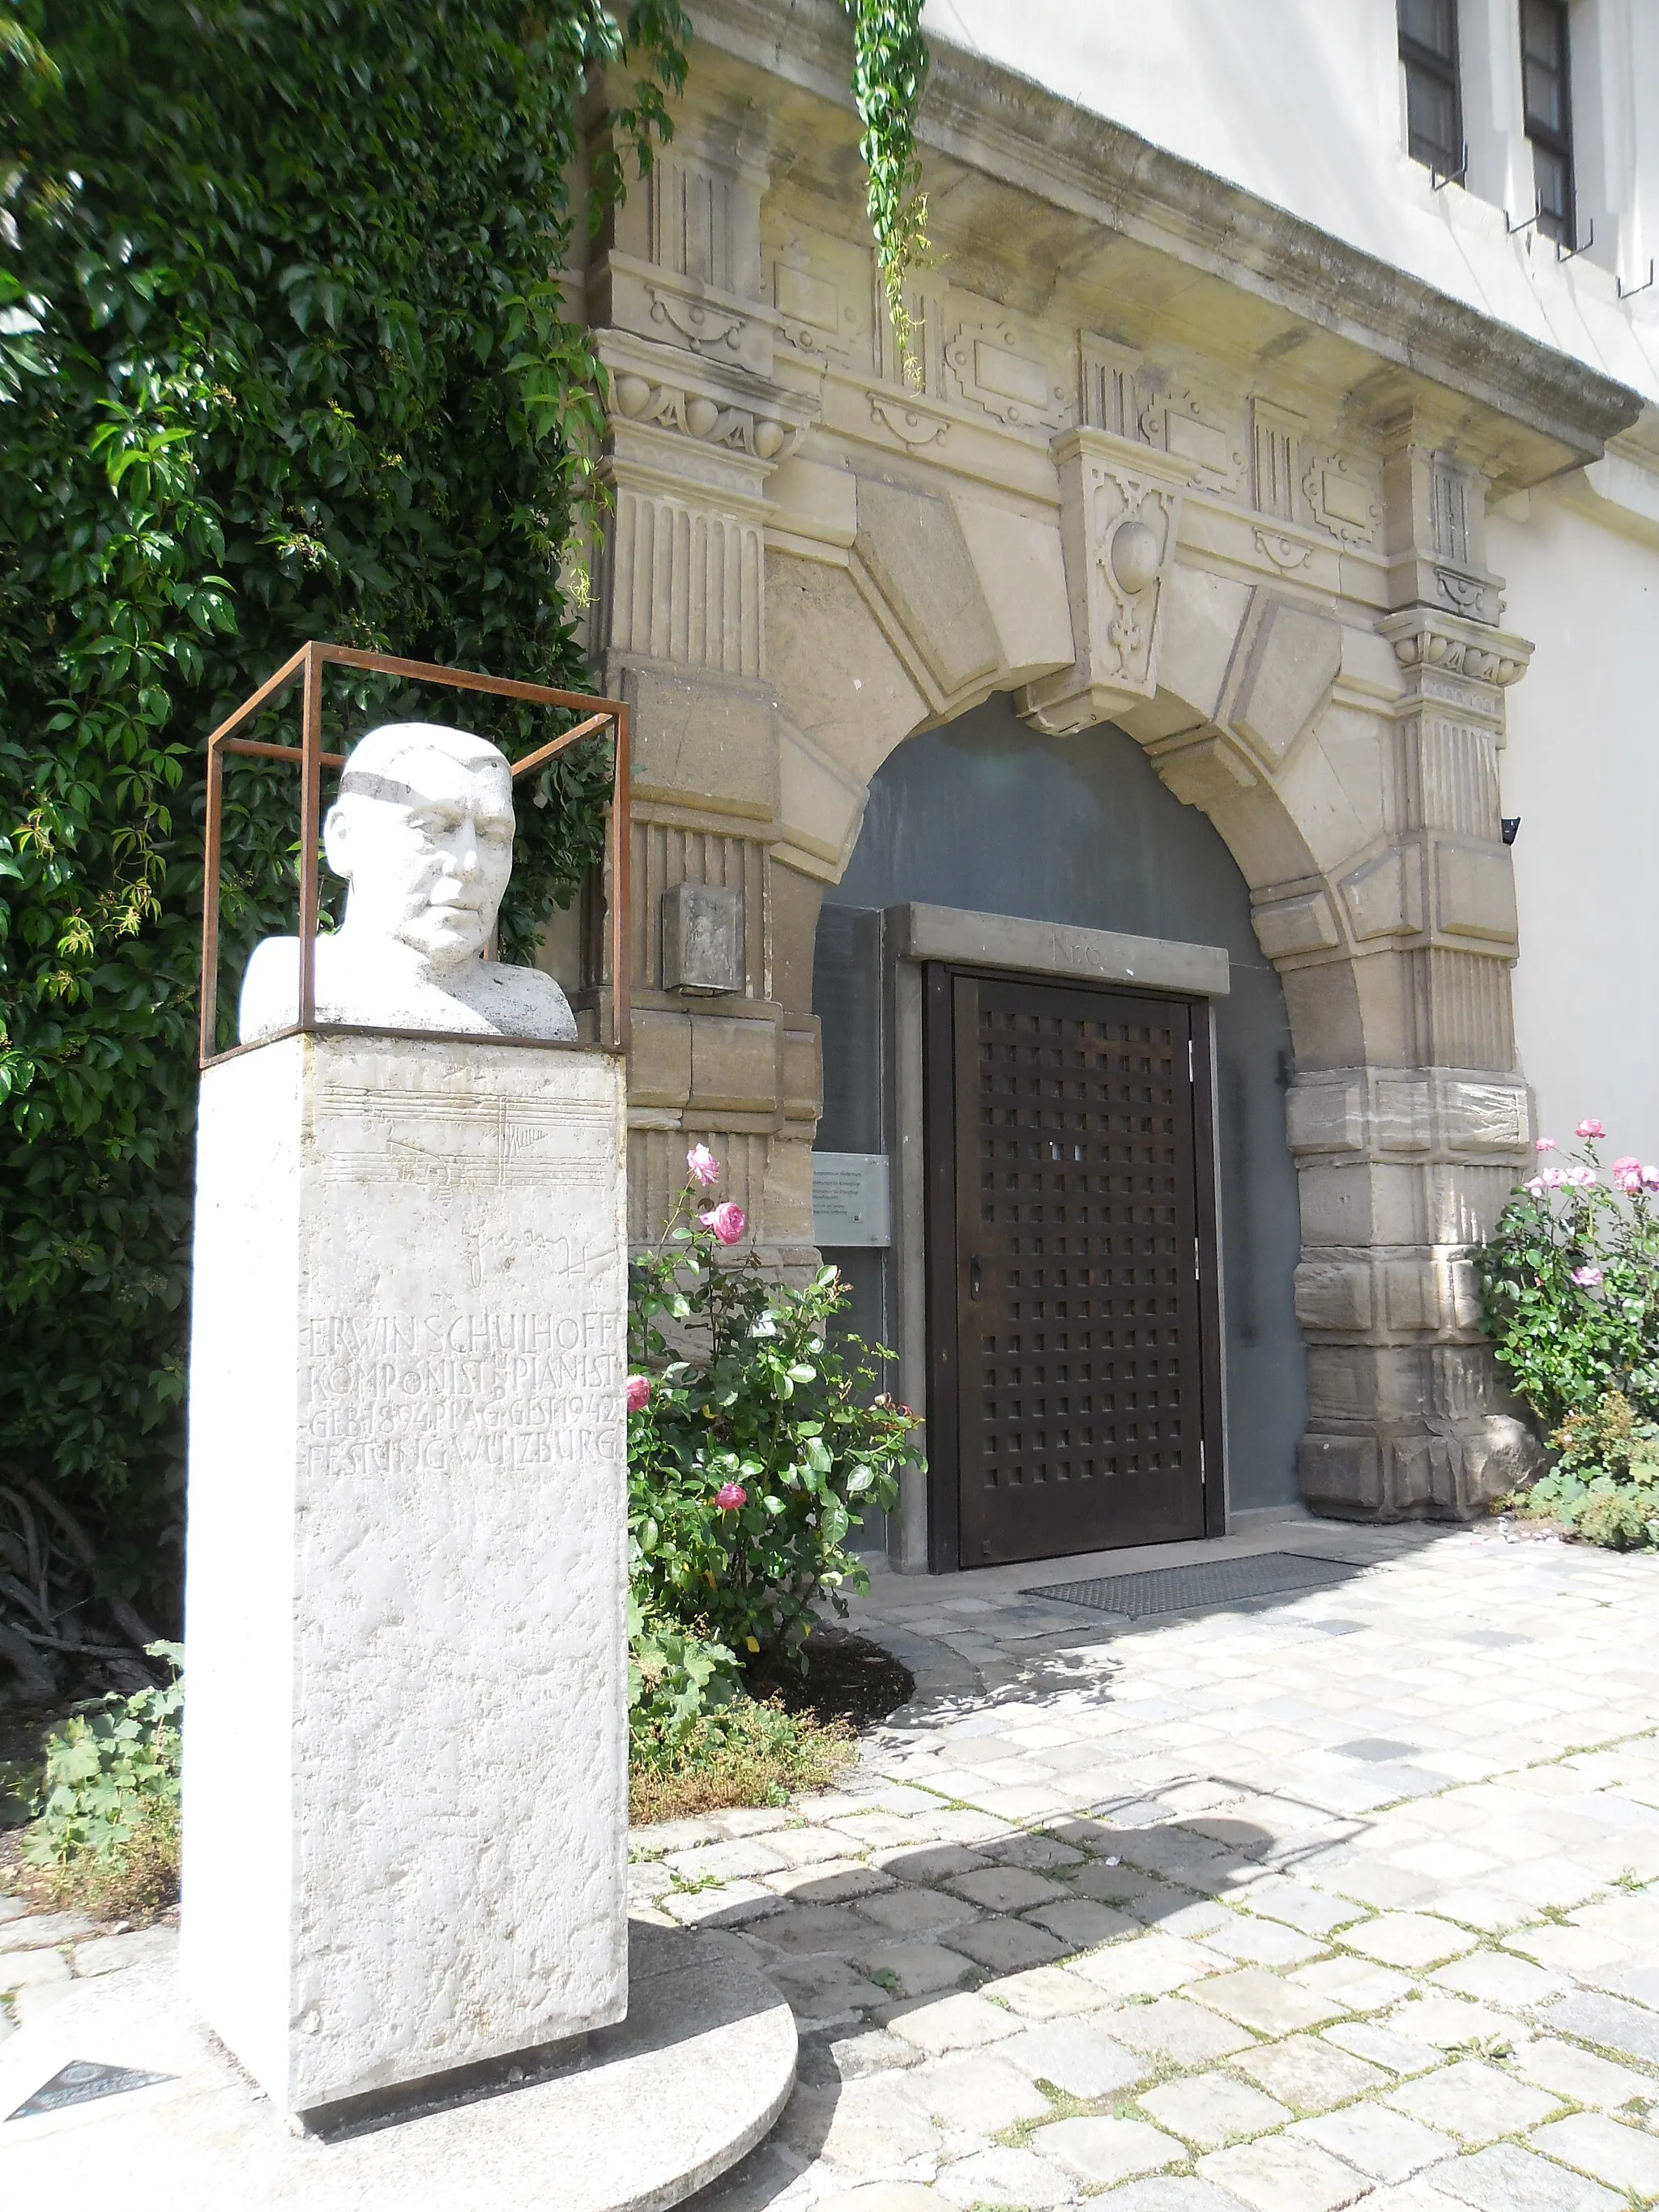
[1119, 508]
[1199, 431]
[698, 416]
[996, 367]
[912, 426]
[1345, 496]
[1424, 641]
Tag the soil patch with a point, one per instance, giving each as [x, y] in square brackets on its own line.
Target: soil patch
[847, 1679]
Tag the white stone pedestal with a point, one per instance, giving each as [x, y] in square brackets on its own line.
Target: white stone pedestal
[405, 1743]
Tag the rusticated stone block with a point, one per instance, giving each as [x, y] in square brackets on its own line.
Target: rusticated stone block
[1341, 1475]
[660, 1059]
[734, 1066]
[1334, 1294]
[1326, 1117]
[1474, 892]
[1295, 659]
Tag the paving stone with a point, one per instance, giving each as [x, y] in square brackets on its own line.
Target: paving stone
[24, 1970]
[1107, 2150]
[740, 1859]
[1002, 1946]
[804, 1931]
[1147, 1965]
[1260, 2000]
[827, 2058]
[1474, 2102]
[1353, 1983]
[108, 1954]
[1121, 1885]
[1082, 2059]
[829, 1883]
[858, 2127]
[1263, 1943]
[1168, 2192]
[953, 2023]
[39, 1997]
[914, 1969]
[1307, 2073]
[980, 2094]
[12, 1908]
[1046, 1993]
[1579, 2075]
[1005, 2177]
[727, 1905]
[1497, 1977]
[933, 1861]
[1610, 2021]
[907, 1911]
[1408, 1939]
[38, 1931]
[824, 1990]
[1453, 2022]
[1623, 2157]
[1386, 2145]
[1316, 1911]
[750, 1819]
[1005, 1889]
[1176, 2030]
[1279, 2174]
[1080, 1923]
[800, 1847]
[1212, 2109]
[882, 2197]
[1509, 2179]
[1041, 1854]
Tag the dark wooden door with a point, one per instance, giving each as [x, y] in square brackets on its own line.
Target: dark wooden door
[1073, 1315]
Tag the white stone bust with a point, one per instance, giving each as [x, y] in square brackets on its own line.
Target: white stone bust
[423, 833]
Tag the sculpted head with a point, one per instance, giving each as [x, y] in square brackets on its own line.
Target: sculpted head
[423, 833]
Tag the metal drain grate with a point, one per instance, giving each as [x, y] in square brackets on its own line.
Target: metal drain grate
[1209, 1582]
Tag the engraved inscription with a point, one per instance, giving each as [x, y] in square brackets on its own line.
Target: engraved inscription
[446, 1392]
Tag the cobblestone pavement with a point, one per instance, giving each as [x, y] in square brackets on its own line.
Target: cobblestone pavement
[1350, 1898]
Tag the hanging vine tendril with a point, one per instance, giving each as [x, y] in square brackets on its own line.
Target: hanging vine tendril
[890, 67]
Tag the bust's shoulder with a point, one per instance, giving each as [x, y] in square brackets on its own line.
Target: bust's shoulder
[269, 998]
[522, 1002]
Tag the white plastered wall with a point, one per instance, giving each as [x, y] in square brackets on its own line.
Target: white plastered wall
[1582, 770]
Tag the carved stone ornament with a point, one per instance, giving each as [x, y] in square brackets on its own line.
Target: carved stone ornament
[1120, 521]
[1344, 497]
[1287, 553]
[422, 834]
[912, 426]
[696, 415]
[995, 368]
[699, 321]
[1193, 428]
[1423, 641]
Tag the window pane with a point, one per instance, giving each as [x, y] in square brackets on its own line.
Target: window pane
[1430, 119]
[1549, 173]
[1544, 97]
[1430, 23]
[1541, 32]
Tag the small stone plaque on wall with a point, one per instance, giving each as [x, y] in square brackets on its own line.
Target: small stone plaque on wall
[703, 939]
[849, 1200]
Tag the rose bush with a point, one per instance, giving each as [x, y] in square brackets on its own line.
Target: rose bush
[756, 1443]
[1570, 1286]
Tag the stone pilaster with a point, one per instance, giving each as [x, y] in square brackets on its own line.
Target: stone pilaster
[1405, 1161]
[698, 422]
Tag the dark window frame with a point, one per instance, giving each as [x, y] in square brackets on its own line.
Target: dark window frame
[1446, 71]
[1545, 135]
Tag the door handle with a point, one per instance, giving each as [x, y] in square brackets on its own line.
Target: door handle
[975, 1282]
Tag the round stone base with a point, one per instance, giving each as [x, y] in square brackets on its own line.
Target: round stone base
[690, 2081]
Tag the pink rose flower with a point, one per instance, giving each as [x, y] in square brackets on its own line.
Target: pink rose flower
[1649, 1175]
[1543, 1144]
[639, 1393]
[1629, 1179]
[702, 1167]
[1581, 1178]
[1553, 1178]
[727, 1221]
[1588, 1128]
[731, 1497]
[1587, 1278]
[1624, 1166]
[1535, 1186]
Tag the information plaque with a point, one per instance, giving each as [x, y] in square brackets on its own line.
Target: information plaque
[849, 1200]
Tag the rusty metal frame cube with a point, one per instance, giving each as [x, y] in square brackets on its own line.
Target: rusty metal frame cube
[309, 663]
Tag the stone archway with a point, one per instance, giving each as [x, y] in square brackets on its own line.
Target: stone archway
[1353, 774]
